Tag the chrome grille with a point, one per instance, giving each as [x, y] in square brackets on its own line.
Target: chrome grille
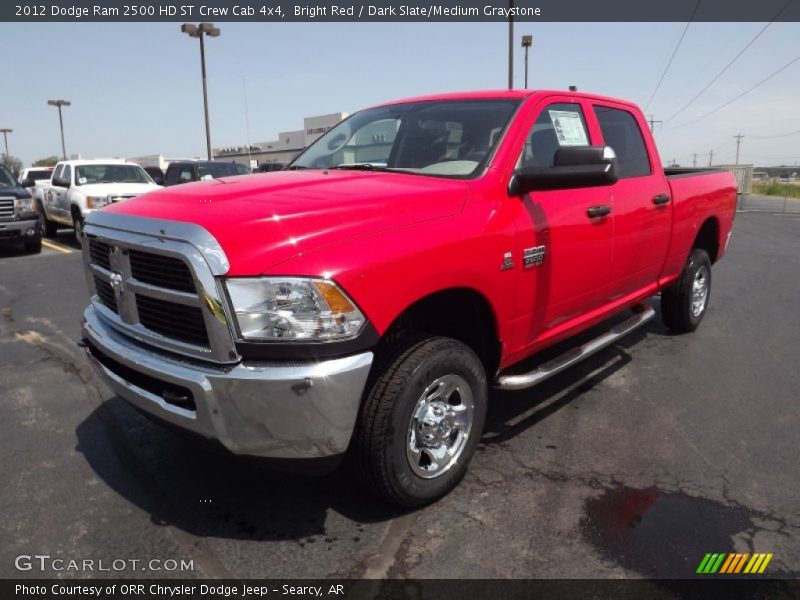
[106, 293]
[159, 286]
[176, 321]
[6, 208]
[163, 271]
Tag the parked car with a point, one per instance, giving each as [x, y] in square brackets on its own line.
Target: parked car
[33, 175]
[365, 299]
[269, 167]
[196, 170]
[156, 174]
[19, 220]
[78, 187]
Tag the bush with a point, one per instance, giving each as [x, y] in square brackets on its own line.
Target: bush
[773, 188]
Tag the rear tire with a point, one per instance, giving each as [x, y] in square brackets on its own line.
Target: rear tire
[421, 420]
[684, 304]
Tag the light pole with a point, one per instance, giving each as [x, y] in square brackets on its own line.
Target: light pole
[200, 31]
[5, 133]
[59, 104]
[511, 44]
[527, 42]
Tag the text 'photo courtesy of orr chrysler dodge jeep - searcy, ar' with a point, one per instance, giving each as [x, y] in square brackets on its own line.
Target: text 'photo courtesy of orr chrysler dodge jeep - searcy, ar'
[363, 301]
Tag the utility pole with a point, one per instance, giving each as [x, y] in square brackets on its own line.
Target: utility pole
[5, 133]
[694, 160]
[738, 143]
[652, 122]
[511, 45]
[710, 158]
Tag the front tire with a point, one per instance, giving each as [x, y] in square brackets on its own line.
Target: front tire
[684, 304]
[34, 246]
[421, 420]
[77, 223]
[50, 228]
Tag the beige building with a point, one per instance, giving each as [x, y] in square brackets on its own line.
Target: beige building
[288, 145]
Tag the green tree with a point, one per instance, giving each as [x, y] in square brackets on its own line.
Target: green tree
[47, 161]
[13, 163]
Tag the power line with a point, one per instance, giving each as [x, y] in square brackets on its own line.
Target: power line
[744, 93]
[730, 64]
[672, 57]
[772, 137]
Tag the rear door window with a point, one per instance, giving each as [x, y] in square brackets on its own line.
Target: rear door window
[622, 133]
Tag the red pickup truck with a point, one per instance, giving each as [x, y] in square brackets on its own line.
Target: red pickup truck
[364, 300]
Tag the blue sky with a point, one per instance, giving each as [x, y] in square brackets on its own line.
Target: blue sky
[135, 88]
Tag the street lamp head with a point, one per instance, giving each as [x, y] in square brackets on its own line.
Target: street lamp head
[6, 130]
[527, 41]
[190, 30]
[59, 103]
[209, 29]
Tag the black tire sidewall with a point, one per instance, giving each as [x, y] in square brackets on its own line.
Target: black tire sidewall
[453, 358]
[697, 260]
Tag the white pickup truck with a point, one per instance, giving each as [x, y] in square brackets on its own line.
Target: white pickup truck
[81, 186]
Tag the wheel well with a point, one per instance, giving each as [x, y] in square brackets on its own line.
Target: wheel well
[708, 238]
[459, 313]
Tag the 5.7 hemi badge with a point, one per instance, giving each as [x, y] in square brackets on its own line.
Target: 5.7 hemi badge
[533, 257]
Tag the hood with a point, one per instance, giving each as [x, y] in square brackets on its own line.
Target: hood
[15, 191]
[262, 220]
[121, 189]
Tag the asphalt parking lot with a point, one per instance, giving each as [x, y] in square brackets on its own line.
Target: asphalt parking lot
[635, 463]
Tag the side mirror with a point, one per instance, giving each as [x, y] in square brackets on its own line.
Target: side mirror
[59, 182]
[27, 182]
[573, 167]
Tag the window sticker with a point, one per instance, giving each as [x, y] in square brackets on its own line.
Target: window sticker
[569, 128]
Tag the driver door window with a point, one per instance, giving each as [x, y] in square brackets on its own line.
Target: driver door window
[557, 126]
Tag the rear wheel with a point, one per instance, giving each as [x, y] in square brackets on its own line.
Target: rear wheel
[684, 304]
[421, 420]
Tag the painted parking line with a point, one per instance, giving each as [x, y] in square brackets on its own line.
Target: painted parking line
[56, 246]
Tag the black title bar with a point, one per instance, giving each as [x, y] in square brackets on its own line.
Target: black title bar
[401, 10]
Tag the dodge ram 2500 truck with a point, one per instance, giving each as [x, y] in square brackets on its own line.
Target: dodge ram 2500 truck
[364, 300]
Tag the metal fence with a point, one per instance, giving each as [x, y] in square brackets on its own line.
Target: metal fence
[743, 175]
[771, 204]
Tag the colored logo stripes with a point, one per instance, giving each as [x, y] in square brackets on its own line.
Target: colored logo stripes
[726, 563]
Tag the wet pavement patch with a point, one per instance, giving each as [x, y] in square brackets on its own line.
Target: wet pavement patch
[660, 534]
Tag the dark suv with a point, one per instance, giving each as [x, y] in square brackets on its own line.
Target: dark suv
[195, 170]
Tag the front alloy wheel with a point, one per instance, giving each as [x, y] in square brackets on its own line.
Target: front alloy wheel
[440, 426]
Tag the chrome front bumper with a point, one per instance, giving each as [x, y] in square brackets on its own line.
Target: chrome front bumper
[297, 410]
[18, 229]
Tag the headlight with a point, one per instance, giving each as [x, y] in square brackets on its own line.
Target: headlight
[24, 204]
[293, 308]
[97, 201]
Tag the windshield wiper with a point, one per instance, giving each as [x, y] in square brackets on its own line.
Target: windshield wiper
[362, 167]
[296, 168]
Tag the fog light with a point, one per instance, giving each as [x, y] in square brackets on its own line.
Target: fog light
[30, 231]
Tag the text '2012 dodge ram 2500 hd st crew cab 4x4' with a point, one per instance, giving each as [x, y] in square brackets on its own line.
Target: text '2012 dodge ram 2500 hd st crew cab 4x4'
[365, 300]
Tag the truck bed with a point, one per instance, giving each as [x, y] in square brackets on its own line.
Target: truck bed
[675, 172]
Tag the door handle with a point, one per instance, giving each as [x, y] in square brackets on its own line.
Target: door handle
[601, 210]
[660, 199]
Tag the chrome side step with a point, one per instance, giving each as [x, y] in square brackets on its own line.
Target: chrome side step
[520, 382]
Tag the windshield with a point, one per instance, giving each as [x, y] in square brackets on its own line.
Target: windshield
[88, 174]
[223, 169]
[6, 178]
[39, 174]
[442, 138]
